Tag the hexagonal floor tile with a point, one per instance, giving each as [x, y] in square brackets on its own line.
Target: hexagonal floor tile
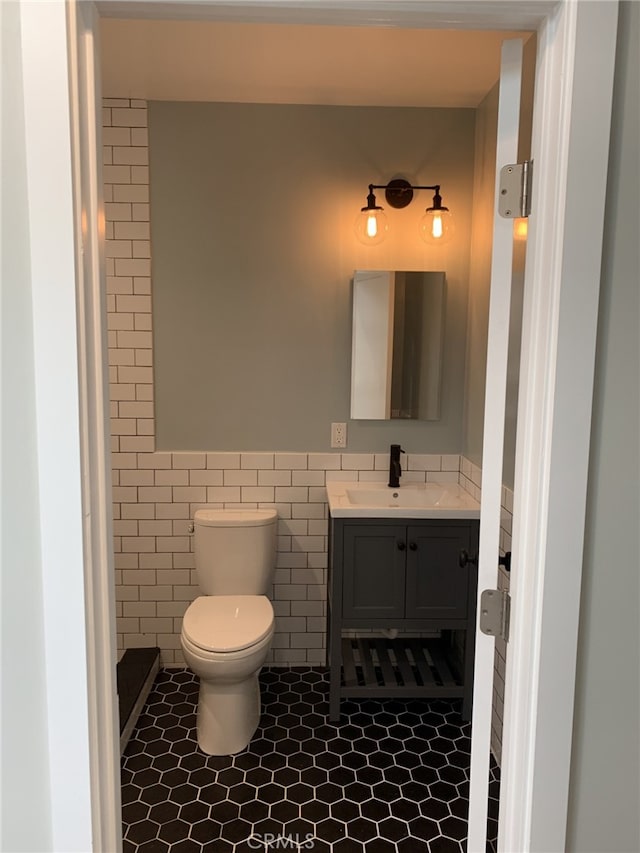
[391, 777]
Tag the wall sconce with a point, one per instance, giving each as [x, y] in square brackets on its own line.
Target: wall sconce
[371, 227]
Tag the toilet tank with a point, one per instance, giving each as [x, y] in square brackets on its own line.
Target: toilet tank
[235, 550]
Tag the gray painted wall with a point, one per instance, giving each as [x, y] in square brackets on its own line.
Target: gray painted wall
[253, 249]
[605, 785]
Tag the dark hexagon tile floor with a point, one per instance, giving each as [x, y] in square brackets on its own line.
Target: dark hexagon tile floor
[391, 777]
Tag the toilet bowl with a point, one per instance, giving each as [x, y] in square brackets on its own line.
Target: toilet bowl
[227, 633]
[225, 640]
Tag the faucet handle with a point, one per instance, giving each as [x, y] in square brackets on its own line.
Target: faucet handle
[395, 469]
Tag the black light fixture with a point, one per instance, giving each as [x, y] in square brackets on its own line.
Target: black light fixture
[371, 226]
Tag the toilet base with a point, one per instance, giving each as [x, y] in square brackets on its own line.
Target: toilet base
[228, 715]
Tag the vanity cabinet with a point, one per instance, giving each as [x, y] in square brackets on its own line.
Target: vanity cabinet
[404, 575]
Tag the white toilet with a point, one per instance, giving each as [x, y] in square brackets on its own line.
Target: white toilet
[227, 631]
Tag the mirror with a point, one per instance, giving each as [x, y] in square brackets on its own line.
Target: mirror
[396, 348]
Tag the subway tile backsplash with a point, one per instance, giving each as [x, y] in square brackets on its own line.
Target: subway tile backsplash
[153, 506]
[157, 493]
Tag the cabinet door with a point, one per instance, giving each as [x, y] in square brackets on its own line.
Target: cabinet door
[437, 587]
[374, 572]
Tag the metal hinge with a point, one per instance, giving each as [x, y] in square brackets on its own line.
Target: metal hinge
[495, 612]
[514, 198]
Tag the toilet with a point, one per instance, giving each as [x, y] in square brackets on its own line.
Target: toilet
[227, 631]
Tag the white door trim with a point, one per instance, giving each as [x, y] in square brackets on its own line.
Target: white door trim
[58, 512]
[104, 729]
[562, 282]
[570, 147]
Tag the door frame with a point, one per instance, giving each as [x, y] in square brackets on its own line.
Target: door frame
[570, 148]
[493, 441]
[86, 148]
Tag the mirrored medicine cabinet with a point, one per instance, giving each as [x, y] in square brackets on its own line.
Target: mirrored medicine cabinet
[397, 342]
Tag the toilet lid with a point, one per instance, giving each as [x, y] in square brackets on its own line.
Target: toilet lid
[235, 518]
[228, 623]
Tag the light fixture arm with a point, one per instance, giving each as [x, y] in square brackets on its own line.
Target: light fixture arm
[399, 193]
[399, 183]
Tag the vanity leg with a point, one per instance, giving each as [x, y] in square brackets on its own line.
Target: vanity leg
[335, 667]
[334, 617]
[334, 704]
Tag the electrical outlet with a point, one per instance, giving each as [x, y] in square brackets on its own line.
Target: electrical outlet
[338, 435]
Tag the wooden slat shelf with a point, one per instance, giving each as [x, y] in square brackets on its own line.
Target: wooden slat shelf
[410, 667]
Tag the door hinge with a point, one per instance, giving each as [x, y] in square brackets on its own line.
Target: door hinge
[514, 197]
[495, 613]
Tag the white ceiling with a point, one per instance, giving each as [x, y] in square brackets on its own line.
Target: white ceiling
[298, 64]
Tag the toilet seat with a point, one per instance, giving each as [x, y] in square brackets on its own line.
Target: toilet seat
[228, 623]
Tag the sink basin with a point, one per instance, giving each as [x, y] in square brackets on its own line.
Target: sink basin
[429, 496]
[412, 500]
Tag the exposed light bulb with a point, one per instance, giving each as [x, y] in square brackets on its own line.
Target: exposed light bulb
[372, 226]
[436, 226]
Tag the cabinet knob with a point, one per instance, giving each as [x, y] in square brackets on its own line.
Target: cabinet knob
[401, 545]
[465, 560]
[413, 546]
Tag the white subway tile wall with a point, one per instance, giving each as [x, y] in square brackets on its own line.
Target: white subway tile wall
[156, 493]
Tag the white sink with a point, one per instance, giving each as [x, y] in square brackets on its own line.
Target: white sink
[412, 500]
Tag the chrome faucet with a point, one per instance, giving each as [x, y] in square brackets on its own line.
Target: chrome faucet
[395, 469]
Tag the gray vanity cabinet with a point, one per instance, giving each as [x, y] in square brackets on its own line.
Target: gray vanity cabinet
[404, 571]
[374, 567]
[436, 586]
[405, 575]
